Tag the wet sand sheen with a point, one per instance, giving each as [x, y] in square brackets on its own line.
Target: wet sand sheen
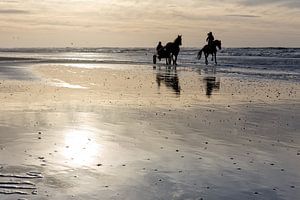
[142, 86]
[148, 134]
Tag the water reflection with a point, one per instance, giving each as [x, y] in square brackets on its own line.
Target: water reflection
[60, 83]
[169, 77]
[80, 147]
[212, 83]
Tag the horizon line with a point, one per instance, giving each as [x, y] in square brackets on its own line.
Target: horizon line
[140, 47]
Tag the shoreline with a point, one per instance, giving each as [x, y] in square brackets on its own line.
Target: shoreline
[151, 87]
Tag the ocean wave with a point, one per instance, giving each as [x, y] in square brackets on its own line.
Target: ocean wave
[262, 52]
[249, 61]
[249, 52]
[21, 60]
[75, 50]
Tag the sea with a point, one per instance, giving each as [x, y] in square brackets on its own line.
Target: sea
[274, 63]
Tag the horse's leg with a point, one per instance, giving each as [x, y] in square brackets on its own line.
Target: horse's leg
[212, 57]
[206, 55]
[172, 59]
[175, 60]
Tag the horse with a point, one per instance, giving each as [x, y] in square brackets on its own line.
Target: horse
[173, 48]
[170, 51]
[210, 50]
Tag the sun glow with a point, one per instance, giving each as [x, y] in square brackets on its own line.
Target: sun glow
[80, 147]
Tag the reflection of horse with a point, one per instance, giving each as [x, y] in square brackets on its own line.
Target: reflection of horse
[170, 51]
[169, 78]
[210, 50]
[211, 84]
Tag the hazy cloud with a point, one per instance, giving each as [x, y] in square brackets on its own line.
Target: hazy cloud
[9, 1]
[126, 22]
[13, 11]
[286, 3]
[243, 16]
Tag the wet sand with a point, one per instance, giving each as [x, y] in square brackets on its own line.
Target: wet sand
[148, 133]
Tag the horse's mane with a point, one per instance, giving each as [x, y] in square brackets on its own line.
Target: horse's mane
[217, 41]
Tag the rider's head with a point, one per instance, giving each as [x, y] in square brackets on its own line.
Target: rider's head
[210, 33]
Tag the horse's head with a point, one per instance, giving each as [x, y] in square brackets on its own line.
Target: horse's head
[218, 44]
[178, 40]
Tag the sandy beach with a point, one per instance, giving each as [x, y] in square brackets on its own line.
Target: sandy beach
[69, 131]
[150, 100]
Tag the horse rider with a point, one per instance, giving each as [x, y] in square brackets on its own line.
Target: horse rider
[210, 39]
[159, 48]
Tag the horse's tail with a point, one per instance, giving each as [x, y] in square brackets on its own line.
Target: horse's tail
[199, 54]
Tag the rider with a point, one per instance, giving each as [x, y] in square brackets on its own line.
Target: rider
[210, 38]
[159, 48]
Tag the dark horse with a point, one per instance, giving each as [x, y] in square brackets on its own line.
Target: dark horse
[173, 48]
[210, 50]
[170, 51]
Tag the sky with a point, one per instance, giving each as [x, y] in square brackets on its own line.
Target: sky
[142, 23]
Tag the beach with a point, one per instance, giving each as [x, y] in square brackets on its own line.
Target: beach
[132, 130]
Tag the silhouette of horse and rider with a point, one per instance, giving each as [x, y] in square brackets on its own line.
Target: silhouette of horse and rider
[210, 48]
[171, 50]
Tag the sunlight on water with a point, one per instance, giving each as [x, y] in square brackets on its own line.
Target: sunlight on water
[80, 147]
[60, 83]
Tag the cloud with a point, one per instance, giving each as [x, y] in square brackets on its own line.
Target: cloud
[9, 1]
[285, 3]
[13, 11]
[243, 16]
[130, 21]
